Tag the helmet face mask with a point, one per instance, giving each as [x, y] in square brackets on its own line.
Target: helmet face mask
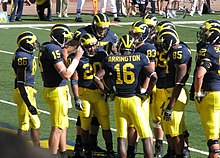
[101, 31]
[89, 43]
[100, 24]
[60, 34]
[213, 36]
[27, 41]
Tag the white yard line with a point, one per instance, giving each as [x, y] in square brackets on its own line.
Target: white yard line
[85, 24]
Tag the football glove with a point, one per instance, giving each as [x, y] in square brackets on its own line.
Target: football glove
[78, 103]
[167, 114]
[32, 109]
[199, 96]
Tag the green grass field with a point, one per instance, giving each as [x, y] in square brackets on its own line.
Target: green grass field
[186, 28]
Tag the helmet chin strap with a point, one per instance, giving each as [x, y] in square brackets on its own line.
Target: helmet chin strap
[27, 50]
[54, 39]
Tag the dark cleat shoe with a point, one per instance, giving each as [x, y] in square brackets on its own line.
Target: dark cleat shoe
[97, 149]
[79, 19]
[117, 19]
[111, 154]
[18, 19]
[78, 150]
[186, 153]
[88, 154]
[159, 151]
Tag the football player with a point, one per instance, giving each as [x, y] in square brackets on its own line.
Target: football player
[52, 61]
[25, 66]
[88, 99]
[207, 89]
[172, 98]
[41, 6]
[100, 28]
[107, 39]
[126, 67]
[163, 27]
[151, 22]
[202, 42]
[140, 32]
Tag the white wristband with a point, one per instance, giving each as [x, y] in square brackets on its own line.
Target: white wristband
[153, 73]
[97, 78]
[143, 90]
[73, 66]
[198, 93]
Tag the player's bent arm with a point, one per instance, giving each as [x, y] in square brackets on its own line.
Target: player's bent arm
[74, 84]
[152, 75]
[66, 73]
[147, 80]
[65, 55]
[200, 73]
[180, 79]
[97, 80]
[21, 73]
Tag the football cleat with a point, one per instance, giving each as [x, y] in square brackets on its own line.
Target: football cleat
[79, 19]
[111, 154]
[186, 152]
[159, 152]
[97, 150]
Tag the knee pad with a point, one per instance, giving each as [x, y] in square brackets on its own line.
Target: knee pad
[78, 122]
[95, 121]
[210, 143]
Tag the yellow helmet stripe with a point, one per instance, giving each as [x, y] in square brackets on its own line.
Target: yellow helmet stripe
[33, 38]
[169, 33]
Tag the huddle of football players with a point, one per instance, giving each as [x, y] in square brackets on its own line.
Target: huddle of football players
[144, 72]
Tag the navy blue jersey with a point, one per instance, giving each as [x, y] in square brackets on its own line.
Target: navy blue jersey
[211, 80]
[147, 49]
[25, 60]
[104, 44]
[160, 69]
[150, 51]
[86, 69]
[125, 70]
[49, 55]
[181, 55]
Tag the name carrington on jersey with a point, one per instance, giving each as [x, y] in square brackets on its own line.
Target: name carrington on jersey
[124, 58]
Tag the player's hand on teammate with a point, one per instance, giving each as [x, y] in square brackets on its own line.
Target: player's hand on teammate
[78, 103]
[32, 110]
